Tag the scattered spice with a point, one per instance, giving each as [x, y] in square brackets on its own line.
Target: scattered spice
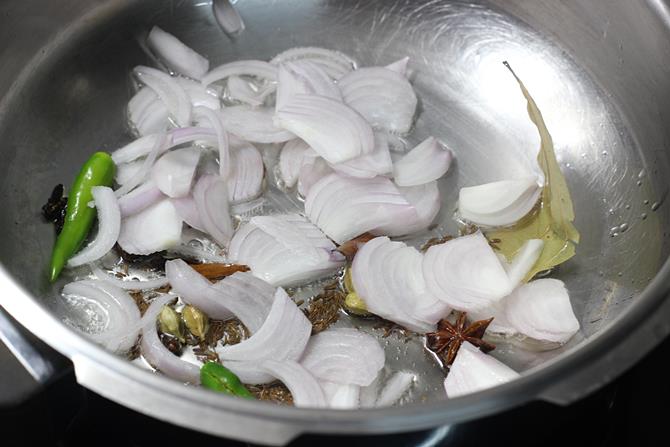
[448, 338]
[134, 352]
[273, 392]
[172, 343]
[389, 328]
[154, 261]
[232, 332]
[56, 208]
[205, 354]
[349, 248]
[324, 309]
[436, 241]
[215, 272]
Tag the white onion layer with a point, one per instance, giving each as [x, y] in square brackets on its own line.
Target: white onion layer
[259, 69]
[188, 211]
[140, 198]
[339, 396]
[304, 387]
[334, 63]
[211, 199]
[334, 130]
[246, 178]
[524, 260]
[428, 161]
[395, 388]
[284, 250]
[474, 371]
[241, 90]
[176, 55]
[129, 284]
[156, 228]
[499, 203]
[109, 226]
[343, 355]
[384, 97]
[254, 124]
[378, 162]
[291, 160]
[387, 275]
[425, 201]
[209, 118]
[465, 273]
[169, 91]
[173, 173]
[304, 77]
[399, 66]
[313, 169]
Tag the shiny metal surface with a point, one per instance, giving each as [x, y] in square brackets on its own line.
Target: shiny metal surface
[599, 71]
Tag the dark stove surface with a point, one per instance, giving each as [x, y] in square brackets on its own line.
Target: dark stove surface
[632, 411]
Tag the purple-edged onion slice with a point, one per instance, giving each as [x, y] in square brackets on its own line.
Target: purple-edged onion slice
[259, 69]
[304, 77]
[169, 91]
[428, 161]
[176, 55]
[211, 199]
[156, 228]
[246, 178]
[173, 173]
[254, 124]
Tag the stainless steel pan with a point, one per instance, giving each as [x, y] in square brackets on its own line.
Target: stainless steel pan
[599, 70]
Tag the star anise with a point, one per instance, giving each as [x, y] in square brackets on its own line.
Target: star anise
[449, 337]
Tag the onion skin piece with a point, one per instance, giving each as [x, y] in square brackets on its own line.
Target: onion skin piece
[215, 272]
[176, 55]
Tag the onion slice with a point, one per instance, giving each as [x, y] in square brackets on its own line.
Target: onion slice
[336, 132]
[156, 228]
[541, 310]
[313, 169]
[291, 160]
[346, 356]
[169, 91]
[157, 354]
[160, 145]
[399, 66]
[259, 69]
[213, 120]
[344, 207]
[334, 63]
[396, 387]
[378, 162]
[129, 284]
[384, 97]
[474, 371]
[109, 226]
[304, 77]
[465, 273]
[239, 89]
[188, 211]
[499, 203]
[246, 178]
[284, 250]
[425, 201]
[283, 336]
[135, 149]
[122, 317]
[176, 55]
[211, 199]
[253, 124]
[341, 397]
[304, 388]
[387, 275]
[428, 161]
[524, 261]
[173, 173]
[140, 198]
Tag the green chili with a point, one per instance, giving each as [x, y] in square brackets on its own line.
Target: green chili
[219, 378]
[97, 171]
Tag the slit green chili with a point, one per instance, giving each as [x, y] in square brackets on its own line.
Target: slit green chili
[97, 171]
[219, 378]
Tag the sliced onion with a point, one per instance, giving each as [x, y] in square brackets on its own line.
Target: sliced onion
[157, 354]
[334, 63]
[199, 95]
[192, 134]
[524, 260]
[240, 90]
[253, 124]
[126, 171]
[240, 295]
[227, 17]
[428, 161]
[499, 203]
[173, 173]
[156, 228]
[122, 317]
[176, 55]
[425, 201]
[129, 284]
[248, 209]
[246, 178]
[541, 310]
[139, 199]
[399, 66]
[147, 113]
[333, 130]
[474, 371]
[378, 162]
[304, 388]
[213, 120]
[497, 311]
[109, 226]
[465, 273]
[313, 169]
[283, 336]
[188, 211]
[160, 145]
[135, 149]
[304, 77]
[211, 199]
[396, 387]
[259, 69]
[341, 397]
[198, 253]
[291, 160]
[384, 97]
[344, 207]
[169, 91]
[284, 250]
[343, 355]
[388, 276]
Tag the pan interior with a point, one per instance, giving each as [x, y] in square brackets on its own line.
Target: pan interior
[74, 101]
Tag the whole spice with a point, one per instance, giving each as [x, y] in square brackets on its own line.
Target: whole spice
[170, 323]
[219, 378]
[349, 248]
[215, 272]
[97, 171]
[449, 337]
[353, 303]
[56, 208]
[196, 321]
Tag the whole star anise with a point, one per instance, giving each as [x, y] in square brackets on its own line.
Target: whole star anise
[449, 337]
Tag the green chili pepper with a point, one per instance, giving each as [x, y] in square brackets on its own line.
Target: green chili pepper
[97, 171]
[219, 378]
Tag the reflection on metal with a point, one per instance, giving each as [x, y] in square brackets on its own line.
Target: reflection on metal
[32, 361]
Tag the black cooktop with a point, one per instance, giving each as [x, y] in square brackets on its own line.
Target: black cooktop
[632, 411]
